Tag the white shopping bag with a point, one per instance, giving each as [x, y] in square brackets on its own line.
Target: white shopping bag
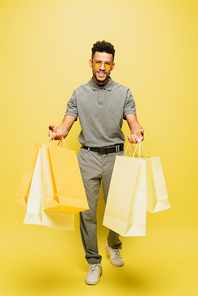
[137, 186]
[35, 213]
[125, 211]
[157, 195]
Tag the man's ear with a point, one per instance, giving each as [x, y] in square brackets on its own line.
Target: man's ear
[90, 63]
[113, 66]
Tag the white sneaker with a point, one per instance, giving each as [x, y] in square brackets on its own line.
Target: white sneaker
[94, 273]
[114, 255]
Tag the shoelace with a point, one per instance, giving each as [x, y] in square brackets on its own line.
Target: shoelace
[116, 254]
[93, 267]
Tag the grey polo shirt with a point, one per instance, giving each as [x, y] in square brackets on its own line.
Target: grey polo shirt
[101, 111]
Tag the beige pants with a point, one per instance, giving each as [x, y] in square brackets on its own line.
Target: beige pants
[94, 168]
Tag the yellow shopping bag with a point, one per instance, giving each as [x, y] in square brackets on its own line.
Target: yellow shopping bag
[35, 213]
[63, 189]
[68, 193]
[23, 189]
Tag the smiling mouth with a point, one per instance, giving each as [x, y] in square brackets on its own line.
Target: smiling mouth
[101, 74]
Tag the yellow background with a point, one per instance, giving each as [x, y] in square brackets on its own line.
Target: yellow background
[44, 52]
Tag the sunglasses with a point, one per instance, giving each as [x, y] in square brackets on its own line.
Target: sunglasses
[98, 64]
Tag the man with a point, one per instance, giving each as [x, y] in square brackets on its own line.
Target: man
[101, 104]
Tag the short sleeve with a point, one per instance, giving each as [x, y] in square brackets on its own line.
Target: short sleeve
[129, 106]
[72, 106]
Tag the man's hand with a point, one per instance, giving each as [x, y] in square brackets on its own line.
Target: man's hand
[137, 136]
[137, 132]
[55, 133]
[63, 129]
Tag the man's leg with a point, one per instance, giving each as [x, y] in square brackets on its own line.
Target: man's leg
[90, 166]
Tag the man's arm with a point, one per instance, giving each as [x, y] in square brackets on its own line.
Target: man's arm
[63, 129]
[137, 132]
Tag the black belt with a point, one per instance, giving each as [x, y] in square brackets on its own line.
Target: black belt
[105, 150]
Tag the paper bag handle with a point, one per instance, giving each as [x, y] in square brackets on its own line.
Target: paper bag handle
[60, 143]
[138, 144]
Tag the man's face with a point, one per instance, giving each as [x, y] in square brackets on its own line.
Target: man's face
[101, 73]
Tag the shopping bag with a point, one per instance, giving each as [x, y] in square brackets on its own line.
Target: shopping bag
[125, 211]
[68, 194]
[22, 193]
[157, 195]
[63, 189]
[124, 217]
[35, 213]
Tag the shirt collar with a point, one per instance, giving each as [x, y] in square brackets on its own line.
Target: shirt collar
[95, 86]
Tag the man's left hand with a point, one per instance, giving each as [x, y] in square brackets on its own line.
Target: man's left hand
[137, 136]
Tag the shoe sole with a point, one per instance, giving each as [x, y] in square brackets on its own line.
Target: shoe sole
[91, 283]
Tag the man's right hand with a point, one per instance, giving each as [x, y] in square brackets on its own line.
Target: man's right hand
[63, 129]
[55, 133]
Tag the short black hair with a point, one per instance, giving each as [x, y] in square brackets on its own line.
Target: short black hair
[103, 46]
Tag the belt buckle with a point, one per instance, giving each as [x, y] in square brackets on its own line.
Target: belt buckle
[103, 150]
[117, 148]
[100, 150]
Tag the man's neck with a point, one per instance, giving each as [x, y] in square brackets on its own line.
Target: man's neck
[100, 83]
